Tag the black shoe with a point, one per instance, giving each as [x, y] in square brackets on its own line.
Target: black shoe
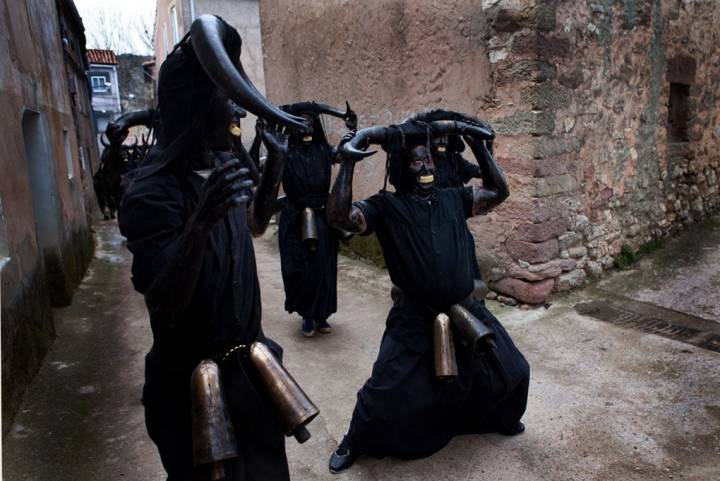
[308, 328]
[343, 457]
[519, 428]
[323, 327]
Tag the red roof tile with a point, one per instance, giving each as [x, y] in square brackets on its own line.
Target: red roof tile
[105, 57]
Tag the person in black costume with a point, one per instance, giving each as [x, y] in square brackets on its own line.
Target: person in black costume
[309, 270]
[193, 258]
[403, 410]
[451, 168]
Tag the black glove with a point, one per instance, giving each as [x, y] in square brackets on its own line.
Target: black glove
[227, 187]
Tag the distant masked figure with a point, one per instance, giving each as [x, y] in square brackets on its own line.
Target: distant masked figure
[308, 244]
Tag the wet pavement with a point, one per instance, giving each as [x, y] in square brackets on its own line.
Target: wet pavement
[606, 402]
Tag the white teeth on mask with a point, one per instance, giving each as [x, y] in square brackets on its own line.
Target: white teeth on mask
[426, 179]
[441, 148]
[307, 138]
[235, 130]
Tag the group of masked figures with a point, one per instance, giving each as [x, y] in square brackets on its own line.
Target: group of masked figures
[218, 402]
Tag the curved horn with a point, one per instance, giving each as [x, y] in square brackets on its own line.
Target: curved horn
[453, 127]
[313, 108]
[105, 144]
[137, 117]
[206, 34]
[371, 135]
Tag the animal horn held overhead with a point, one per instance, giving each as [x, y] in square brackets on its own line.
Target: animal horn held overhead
[207, 33]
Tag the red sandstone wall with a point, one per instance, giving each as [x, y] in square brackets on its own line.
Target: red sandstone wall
[577, 92]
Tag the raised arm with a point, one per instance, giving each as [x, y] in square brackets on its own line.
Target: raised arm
[265, 203]
[495, 189]
[341, 212]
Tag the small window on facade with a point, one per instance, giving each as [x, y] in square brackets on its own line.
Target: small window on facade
[678, 111]
[99, 84]
[174, 20]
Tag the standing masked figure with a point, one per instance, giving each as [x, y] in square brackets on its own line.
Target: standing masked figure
[308, 245]
[186, 216]
[404, 410]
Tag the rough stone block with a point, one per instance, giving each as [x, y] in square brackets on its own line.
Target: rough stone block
[545, 186]
[578, 251]
[539, 272]
[524, 70]
[527, 292]
[542, 46]
[534, 123]
[533, 252]
[545, 95]
[542, 231]
[570, 280]
[568, 240]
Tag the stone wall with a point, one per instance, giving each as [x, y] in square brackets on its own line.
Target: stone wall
[578, 93]
[46, 241]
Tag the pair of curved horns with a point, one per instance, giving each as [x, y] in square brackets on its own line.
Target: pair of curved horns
[318, 108]
[354, 149]
[206, 34]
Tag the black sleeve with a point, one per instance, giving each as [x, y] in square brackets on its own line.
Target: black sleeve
[469, 170]
[372, 210]
[152, 217]
[466, 195]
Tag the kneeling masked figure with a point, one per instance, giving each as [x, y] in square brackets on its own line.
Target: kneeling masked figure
[404, 409]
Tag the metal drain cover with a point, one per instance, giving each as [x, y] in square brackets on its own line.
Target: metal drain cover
[655, 320]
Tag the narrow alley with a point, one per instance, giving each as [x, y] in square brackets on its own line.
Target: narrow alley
[606, 402]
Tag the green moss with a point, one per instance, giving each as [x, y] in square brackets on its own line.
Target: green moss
[627, 256]
[366, 247]
[651, 246]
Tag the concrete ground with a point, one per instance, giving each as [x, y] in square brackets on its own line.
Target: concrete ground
[606, 402]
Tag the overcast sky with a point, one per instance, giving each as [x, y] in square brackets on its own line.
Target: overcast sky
[118, 24]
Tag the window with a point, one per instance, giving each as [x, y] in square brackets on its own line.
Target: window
[174, 20]
[678, 112]
[100, 84]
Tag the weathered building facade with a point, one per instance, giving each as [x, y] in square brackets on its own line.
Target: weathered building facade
[174, 17]
[48, 151]
[606, 112]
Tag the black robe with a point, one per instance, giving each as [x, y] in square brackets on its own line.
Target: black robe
[309, 277]
[403, 410]
[453, 170]
[224, 311]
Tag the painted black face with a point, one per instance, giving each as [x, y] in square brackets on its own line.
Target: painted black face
[307, 137]
[419, 170]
